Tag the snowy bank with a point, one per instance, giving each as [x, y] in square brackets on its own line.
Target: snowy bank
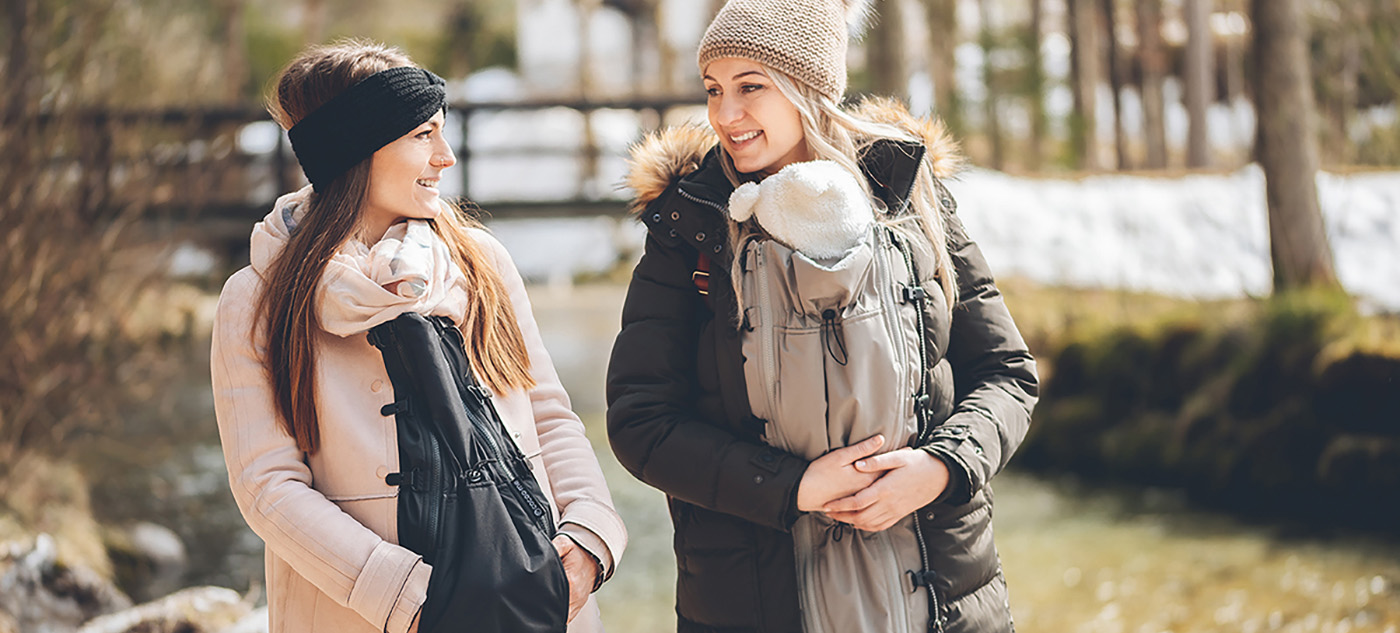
[1199, 236]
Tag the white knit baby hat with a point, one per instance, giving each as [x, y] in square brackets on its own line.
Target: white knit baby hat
[817, 208]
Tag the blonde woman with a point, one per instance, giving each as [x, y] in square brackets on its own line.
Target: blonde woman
[679, 416]
[300, 391]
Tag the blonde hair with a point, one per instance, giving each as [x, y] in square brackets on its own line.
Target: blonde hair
[837, 135]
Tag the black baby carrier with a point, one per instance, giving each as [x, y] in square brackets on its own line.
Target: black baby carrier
[468, 503]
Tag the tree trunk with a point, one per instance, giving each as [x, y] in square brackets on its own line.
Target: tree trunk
[313, 26]
[18, 134]
[1116, 80]
[665, 53]
[1287, 146]
[942, 62]
[987, 43]
[646, 77]
[586, 9]
[1348, 82]
[21, 77]
[1200, 82]
[1036, 74]
[235, 44]
[1084, 74]
[587, 92]
[1154, 70]
[889, 75]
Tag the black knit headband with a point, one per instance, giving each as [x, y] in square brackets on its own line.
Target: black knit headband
[354, 124]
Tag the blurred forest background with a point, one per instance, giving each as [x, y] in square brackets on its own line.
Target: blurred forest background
[1208, 455]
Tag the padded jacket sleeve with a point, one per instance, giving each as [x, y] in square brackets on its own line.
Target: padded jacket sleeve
[996, 385]
[653, 421]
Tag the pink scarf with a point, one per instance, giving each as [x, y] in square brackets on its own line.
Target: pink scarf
[409, 269]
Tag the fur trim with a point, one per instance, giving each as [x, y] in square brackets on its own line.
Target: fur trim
[664, 157]
[943, 151]
[859, 14]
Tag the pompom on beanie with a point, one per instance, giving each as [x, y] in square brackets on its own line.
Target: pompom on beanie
[805, 39]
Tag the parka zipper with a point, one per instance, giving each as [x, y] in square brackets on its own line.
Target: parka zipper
[921, 394]
[926, 576]
[693, 198]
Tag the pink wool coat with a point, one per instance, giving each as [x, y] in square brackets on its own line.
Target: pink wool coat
[329, 519]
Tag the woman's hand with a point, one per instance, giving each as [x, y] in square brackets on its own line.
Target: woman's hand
[911, 480]
[833, 475]
[581, 570]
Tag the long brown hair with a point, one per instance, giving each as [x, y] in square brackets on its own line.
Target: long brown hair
[332, 217]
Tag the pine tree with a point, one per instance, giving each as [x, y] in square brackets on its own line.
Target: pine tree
[1287, 146]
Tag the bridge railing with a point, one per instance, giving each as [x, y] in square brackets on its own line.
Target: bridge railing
[227, 164]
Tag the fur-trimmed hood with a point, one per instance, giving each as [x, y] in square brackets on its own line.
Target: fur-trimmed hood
[664, 157]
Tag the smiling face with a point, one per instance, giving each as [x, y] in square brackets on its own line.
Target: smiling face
[404, 176]
[759, 128]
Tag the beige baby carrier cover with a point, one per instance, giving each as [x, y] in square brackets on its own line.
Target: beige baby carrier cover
[832, 356]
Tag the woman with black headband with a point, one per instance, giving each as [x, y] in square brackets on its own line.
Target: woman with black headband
[299, 389]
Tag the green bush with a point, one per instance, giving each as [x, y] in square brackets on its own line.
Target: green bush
[1288, 404]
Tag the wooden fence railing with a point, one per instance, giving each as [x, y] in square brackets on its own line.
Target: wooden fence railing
[190, 164]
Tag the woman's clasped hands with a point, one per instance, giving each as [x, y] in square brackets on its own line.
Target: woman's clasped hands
[871, 492]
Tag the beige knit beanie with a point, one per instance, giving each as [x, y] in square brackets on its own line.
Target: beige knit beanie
[802, 38]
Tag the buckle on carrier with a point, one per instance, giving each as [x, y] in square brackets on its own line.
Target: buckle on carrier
[701, 279]
[921, 578]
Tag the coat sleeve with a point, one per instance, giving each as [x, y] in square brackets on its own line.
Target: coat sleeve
[384, 583]
[586, 511]
[995, 380]
[653, 422]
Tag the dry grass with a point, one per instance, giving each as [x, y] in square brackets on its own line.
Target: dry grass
[45, 496]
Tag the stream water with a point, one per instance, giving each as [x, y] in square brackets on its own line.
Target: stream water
[1078, 557]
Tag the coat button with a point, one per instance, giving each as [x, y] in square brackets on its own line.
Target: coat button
[928, 516]
[656, 217]
[700, 237]
[376, 386]
[381, 472]
[719, 247]
[758, 479]
[675, 215]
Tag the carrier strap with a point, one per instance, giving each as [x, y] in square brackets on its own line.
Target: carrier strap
[701, 276]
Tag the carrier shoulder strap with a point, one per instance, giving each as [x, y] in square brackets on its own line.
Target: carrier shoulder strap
[701, 276]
